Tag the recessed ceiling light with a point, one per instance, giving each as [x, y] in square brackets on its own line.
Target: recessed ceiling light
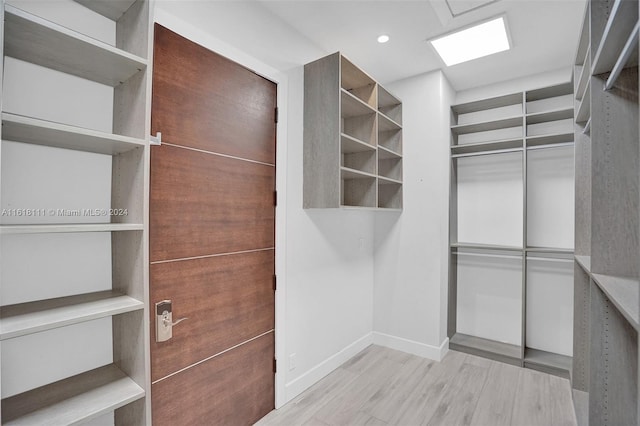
[383, 38]
[472, 43]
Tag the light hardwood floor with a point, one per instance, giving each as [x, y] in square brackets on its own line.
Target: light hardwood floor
[381, 386]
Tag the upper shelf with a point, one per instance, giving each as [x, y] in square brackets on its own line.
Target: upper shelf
[484, 104]
[349, 145]
[625, 295]
[553, 139]
[386, 124]
[39, 132]
[503, 123]
[353, 106]
[549, 92]
[33, 317]
[622, 19]
[584, 109]
[486, 146]
[112, 9]
[41, 42]
[543, 117]
[74, 400]
[585, 73]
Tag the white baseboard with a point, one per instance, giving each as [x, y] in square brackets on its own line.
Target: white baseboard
[411, 346]
[311, 377]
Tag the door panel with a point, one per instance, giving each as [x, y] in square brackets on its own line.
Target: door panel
[212, 236]
[234, 388]
[228, 300]
[194, 192]
[239, 105]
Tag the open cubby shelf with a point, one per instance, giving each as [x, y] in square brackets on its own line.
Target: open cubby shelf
[491, 129]
[118, 391]
[365, 170]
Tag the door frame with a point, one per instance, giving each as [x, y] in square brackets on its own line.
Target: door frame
[281, 80]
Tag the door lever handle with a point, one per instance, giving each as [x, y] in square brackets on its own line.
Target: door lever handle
[167, 322]
[164, 321]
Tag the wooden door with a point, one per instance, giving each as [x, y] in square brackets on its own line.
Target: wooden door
[212, 226]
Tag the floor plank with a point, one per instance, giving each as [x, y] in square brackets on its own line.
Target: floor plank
[381, 386]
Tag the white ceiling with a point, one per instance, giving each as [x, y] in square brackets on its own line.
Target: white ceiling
[544, 34]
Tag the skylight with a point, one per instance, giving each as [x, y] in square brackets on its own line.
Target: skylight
[475, 42]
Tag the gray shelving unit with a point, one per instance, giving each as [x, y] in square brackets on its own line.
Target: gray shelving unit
[522, 122]
[607, 267]
[352, 138]
[120, 387]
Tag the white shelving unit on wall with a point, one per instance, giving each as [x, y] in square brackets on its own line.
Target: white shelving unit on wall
[511, 228]
[352, 138]
[74, 326]
[607, 287]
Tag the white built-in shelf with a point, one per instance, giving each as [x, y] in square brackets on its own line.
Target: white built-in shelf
[584, 262]
[353, 106]
[587, 127]
[350, 145]
[485, 247]
[544, 117]
[74, 400]
[485, 104]
[23, 129]
[485, 347]
[625, 295]
[486, 146]
[386, 153]
[386, 124]
[382, 180]
[33, 317]
[550, 250]
[628, 57]
[622, 19]
[71, 228]
[41, 42]
[585, 74]
[549, 92]
[112, 9]
[503, 123]
[547, 361]
[348, 173]
[583, 112]
[553, 139]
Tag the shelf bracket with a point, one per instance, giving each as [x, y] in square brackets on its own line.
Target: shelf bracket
[156, 140]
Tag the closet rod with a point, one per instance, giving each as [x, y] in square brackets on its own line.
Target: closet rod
[628, 49]
[497, 151]
[549, 146]
[550, 259]
[497, 256]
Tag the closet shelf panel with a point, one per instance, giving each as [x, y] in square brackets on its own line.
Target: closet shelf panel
[33, 317]
[76, 399]
[40, 132]
[624, 293]
[41, 42]
[112, 9]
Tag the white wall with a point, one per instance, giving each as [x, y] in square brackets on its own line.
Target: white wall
[411, 266]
